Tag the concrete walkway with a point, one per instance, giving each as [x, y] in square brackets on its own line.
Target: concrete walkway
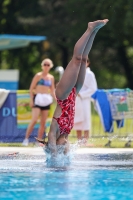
[39, 150]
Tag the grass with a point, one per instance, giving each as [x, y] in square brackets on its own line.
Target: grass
[93, 143]
[101, 142]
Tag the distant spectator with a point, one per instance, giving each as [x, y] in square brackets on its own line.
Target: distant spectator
[41, 96]
[82, 121]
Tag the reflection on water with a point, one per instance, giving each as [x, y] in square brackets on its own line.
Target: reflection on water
[100, 184]
[89, 176]
[73, 161]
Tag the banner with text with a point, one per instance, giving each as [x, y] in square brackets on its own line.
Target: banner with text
[9, 131]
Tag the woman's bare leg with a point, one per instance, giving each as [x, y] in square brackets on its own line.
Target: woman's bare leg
[35, 115]
[44, 115]
[79, 134]
[70, 75]
[86, 136]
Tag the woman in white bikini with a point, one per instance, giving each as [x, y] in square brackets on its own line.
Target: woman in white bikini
[42, 92]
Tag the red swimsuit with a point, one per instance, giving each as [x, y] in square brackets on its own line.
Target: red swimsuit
[66, 119]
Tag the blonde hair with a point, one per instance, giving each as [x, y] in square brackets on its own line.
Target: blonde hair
[47, 60]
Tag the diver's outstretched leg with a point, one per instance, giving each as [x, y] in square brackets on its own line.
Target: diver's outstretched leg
[70, 76]
[81, 75]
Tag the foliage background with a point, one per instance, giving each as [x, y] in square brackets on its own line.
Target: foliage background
[63, 22]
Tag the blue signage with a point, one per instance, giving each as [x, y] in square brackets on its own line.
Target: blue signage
[9, 85]
[9, 132]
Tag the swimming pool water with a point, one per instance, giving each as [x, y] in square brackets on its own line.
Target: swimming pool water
[90, 176]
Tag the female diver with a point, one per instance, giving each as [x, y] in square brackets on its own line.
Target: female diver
[69, 86]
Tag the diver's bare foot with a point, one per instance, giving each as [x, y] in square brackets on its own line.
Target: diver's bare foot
[97, 24]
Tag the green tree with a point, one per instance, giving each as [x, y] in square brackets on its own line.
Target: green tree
[63, 22]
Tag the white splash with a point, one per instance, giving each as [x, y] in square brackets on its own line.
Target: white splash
[61, 159]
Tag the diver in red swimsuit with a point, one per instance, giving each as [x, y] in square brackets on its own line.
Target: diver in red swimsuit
[69, 86]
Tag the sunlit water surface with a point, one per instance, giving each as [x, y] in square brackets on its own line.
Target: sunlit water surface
[87, 177]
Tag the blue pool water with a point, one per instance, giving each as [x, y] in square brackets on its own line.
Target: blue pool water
[88, 177]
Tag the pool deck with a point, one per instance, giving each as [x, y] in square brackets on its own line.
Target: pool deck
[39, 150]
